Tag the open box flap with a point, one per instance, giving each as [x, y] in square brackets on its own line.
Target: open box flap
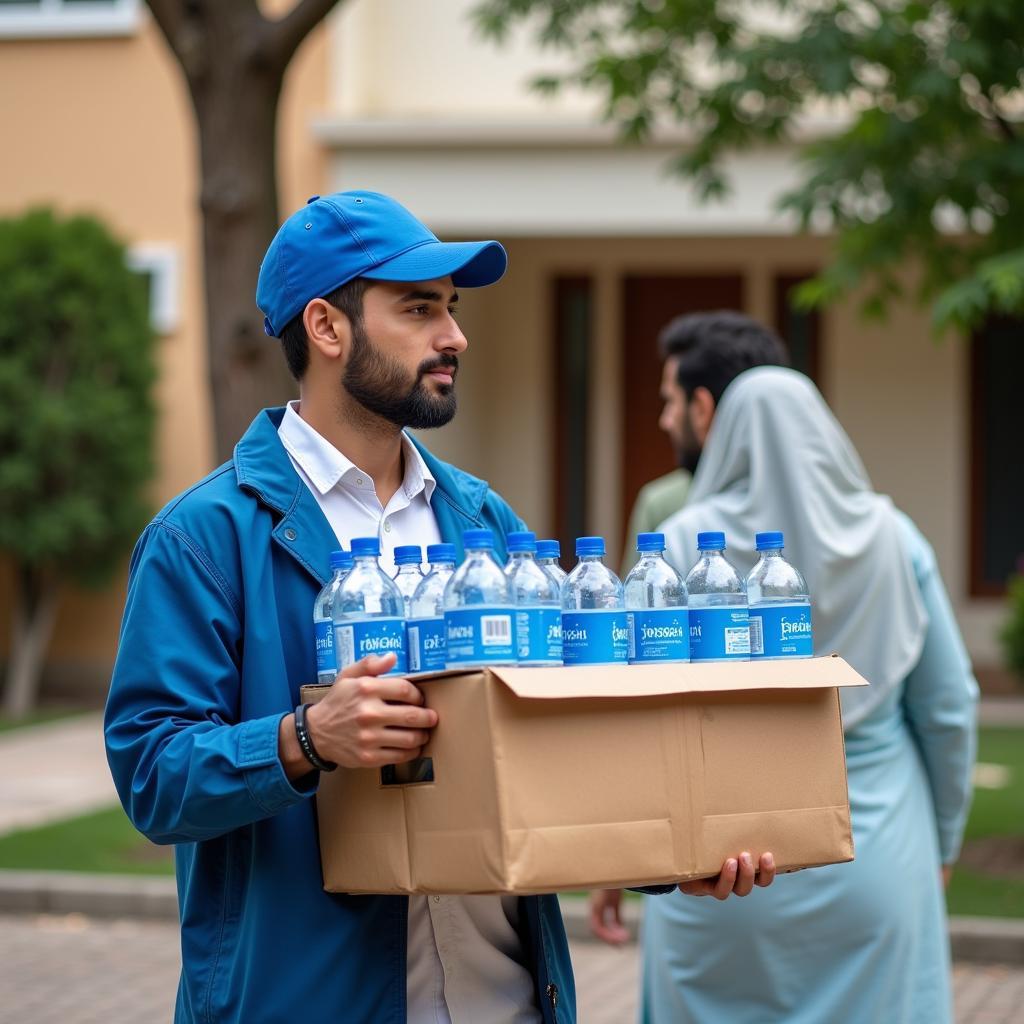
[661, 680]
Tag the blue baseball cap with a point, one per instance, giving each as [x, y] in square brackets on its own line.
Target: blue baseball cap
[334, 239]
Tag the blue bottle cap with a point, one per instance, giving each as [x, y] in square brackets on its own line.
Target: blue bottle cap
[408, 554]
[770, 541]
[650, 542]
[549, 549]
[440, 553]
[713, 540]
[363, 546]
[524, 540]
[589, 546]
[472, 539]
[340, 560]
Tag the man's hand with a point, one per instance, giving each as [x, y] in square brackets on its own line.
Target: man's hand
[605, 917]
[737, 878]
[363, 721]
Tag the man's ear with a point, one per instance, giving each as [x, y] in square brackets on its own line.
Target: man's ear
[327, 328]
[702, 412]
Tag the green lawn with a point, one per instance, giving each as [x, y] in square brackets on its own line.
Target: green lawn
[39, 717]
[104, 841]
[995, 812]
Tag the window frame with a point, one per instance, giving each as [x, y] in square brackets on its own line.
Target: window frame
[161, 262]
[56, 19]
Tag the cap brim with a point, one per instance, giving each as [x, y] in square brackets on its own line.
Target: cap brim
[469, 264]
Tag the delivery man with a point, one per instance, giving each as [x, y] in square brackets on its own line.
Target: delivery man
[217, 640]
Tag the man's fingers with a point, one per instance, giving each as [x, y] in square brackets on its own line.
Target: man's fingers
[397, 690]
[726, 880]
[371, 665]
[744, 883]
[405, 739]
[766, 870]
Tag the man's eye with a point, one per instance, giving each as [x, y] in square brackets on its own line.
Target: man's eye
[419, 310]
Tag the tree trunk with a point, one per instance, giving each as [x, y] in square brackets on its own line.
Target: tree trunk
[35, 612]
[237, 131]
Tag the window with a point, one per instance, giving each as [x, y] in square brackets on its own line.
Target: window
[159, 265]
[573, 315]
[997, 480]
[33, 19]
[799, 329]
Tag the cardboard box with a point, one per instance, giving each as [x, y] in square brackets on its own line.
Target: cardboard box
[576, 778]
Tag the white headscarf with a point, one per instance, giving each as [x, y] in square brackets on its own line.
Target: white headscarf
[777, 459]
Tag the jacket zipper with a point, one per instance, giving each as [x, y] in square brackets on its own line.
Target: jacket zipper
[552, 994]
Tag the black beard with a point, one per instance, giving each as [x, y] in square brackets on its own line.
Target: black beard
[381, 386]
[688, 454]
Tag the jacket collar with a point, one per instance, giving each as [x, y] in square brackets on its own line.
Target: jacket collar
[263, 468]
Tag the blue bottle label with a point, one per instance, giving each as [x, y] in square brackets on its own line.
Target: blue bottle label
[781, 631]
[356, 638]
[479, 635]
[658, 634]
[539, 635]
[595, 638]
[719, 634]
[326, 662]
[426, 642]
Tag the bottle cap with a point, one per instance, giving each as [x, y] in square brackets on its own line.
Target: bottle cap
[472, 539]
[408, 554]
[340, 560]
[770, 541]
[549, 549]
[589, 546]
[365, 546]
[523, 540]
[440, 553]
[650, 542]
[713, 540]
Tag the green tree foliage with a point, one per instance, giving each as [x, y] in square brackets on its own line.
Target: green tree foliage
[1012, 634]
[908, 115]
[76, 419]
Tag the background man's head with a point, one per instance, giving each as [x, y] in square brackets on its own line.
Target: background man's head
[362, 296]
[704, 353]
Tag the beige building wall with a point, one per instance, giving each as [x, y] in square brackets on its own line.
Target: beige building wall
[104, 126]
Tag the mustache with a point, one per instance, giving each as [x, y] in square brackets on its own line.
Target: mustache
[446, 361]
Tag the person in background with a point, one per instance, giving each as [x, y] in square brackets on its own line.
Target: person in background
[715, 346]
[862, 942]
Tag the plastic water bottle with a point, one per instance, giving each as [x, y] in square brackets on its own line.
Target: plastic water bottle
[323, 618]
[408, 558]
[548, 554]
[538, 607]
[478, 610]
[659, 628]
[594, 626]
[719, 624]
[369, 610]
[424, 629]
[780, 607]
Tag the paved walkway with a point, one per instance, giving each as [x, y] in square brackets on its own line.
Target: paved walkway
[77, 970]
[75, 779]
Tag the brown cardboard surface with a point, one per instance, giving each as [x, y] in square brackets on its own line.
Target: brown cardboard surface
[549, 779]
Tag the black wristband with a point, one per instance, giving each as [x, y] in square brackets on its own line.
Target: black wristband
[306, 742]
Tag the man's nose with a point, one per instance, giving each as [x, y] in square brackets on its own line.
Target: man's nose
[451, 338]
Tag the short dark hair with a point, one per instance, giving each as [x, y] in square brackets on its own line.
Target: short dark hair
[716, 347]
[348, 298]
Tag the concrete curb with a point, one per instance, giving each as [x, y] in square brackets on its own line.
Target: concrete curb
[977, 939]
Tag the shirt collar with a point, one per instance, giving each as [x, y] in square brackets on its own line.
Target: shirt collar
[326, 466]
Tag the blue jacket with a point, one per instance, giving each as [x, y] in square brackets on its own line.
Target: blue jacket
[216, 641]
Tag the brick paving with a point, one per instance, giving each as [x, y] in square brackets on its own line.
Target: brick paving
[78, 970]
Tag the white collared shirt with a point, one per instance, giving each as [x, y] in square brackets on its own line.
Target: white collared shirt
[464, 953]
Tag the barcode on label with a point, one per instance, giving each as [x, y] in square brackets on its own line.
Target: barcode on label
[414, 648]
[495, 629]
[756, 635]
